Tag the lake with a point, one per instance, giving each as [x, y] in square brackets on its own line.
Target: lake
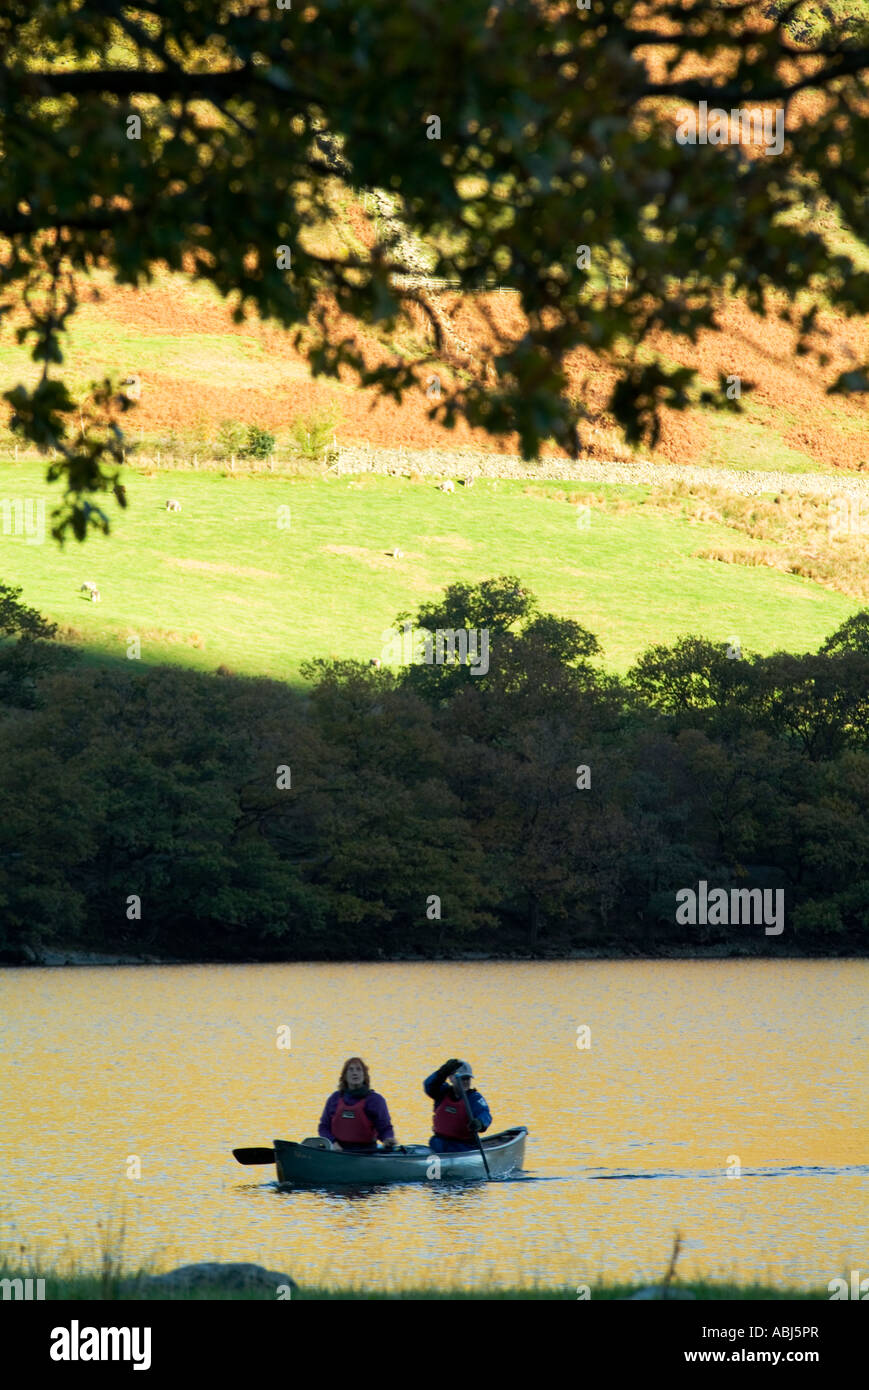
[692, 1066]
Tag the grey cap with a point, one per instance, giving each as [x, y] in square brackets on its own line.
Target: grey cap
[463, 1070]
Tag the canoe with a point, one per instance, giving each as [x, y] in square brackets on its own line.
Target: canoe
[310, 1165]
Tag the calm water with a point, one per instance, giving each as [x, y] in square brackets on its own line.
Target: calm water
[689, 1064]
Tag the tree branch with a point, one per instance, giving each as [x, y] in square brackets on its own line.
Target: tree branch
[100, 222]
[123, 82]
[846, 64]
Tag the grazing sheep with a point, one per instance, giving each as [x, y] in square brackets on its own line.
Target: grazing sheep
[96, 596]
[396, 553]
[172, 505]
[468, 482]
[448, 485]
[375, 661]
[88, 587]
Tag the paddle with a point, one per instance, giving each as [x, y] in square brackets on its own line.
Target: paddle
[476, 1133]
[254, 1155]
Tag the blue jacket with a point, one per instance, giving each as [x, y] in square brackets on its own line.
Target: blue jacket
[437, 1089]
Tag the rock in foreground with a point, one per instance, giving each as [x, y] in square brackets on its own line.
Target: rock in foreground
[226, 1276]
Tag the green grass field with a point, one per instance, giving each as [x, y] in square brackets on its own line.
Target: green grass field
[222, 583]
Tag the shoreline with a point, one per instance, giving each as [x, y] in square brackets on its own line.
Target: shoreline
[72, 959]
[143, 1286]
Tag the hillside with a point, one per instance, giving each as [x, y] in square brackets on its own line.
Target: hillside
[198, 367]
[226, 582]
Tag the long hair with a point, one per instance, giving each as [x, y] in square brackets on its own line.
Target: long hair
[342, 1079]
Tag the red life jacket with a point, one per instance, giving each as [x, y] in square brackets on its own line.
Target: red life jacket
[350, 1124]
[451, 1119]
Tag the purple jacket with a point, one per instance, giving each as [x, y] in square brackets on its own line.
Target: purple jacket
[375, 1109]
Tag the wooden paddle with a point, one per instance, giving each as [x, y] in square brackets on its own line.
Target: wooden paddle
[476, 1132]
[254, 1155]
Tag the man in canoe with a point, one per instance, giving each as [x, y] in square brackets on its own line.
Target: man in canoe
[354, 1115]
[448, 1088]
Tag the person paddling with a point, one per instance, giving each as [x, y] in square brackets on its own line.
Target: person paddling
[354, 1115]
[453, 1130]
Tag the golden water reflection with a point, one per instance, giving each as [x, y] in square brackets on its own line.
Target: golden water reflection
[691, 1065]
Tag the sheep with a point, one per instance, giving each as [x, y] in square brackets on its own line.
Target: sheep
[88, 587]
[448, 485]
[96, 596]
[468, 482]
[172, 505]
[396, 553]
[376, 662]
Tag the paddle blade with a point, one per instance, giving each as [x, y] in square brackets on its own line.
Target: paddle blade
[254, 1155]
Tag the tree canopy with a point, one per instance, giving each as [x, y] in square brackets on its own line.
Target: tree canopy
[546, 146]
[547, 805]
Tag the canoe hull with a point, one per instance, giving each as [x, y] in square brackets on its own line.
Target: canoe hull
[310, 1167]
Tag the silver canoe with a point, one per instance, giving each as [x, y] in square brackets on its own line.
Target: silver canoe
[314, 1166]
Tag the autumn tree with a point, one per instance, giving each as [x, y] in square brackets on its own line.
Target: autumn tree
[564, 151]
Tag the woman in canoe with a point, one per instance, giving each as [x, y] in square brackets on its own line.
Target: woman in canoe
[354, 1115]
[453, 1129]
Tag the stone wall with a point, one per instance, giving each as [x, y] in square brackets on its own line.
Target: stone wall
[459, 463]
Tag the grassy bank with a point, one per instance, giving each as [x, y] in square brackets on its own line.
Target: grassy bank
[100, 1287]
